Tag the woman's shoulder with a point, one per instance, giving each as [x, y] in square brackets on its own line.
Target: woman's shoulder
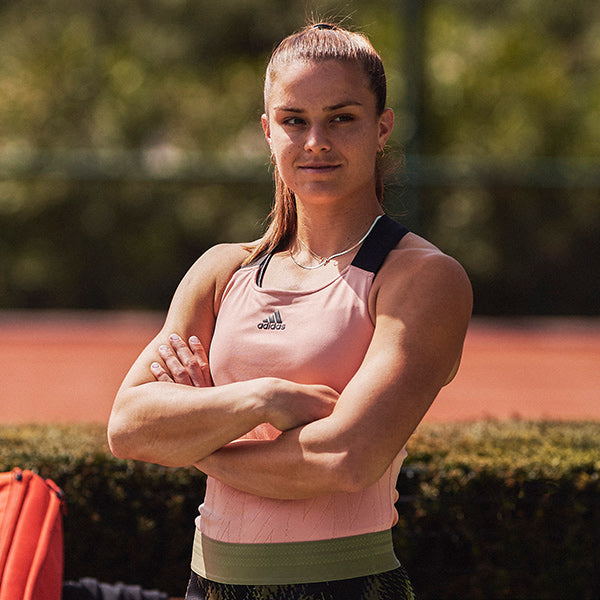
[220, 262]
[227, 255]
[416, 255]
[417, 265]
[199, 293]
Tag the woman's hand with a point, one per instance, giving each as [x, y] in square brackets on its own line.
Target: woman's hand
[289, 405]
[186, 364]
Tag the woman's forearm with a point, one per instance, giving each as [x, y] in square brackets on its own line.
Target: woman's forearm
[300, 463]
[177, 425]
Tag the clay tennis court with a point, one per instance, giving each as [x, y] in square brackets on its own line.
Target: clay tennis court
[66, 367]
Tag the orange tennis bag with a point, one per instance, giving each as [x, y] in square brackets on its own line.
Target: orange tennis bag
[31, 537]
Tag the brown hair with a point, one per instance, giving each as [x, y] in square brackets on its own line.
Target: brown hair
[316, 42]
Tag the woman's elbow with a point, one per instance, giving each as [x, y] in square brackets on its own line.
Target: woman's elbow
[124, 444]
[120, 430]
[342, 466]
[118, 438]
[354, 474]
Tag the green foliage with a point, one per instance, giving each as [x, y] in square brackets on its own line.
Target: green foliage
[188, 74]
[124, 519]
[518, 80]
[502, 511]
[508, 84]
[535, 449]
[130, 142]
[487, 510]
[175, 83]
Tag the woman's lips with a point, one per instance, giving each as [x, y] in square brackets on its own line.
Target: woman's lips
[319, 168]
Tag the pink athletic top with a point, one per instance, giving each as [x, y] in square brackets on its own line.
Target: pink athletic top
[315, 336]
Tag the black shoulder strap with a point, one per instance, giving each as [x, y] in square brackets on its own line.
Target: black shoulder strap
[264, 263]
[383, 237]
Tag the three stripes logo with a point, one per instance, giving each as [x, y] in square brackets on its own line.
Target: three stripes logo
[273, 322]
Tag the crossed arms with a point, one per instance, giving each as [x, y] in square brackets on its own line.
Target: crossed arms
[167, 410]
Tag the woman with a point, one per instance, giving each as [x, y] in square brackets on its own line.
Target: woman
[329, 339]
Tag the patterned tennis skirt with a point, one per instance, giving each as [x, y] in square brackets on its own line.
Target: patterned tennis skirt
[391, 585]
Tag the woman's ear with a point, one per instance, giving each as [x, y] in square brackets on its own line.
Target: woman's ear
[386, 124]
[265, 125]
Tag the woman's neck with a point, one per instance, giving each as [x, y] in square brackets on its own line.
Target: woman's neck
[325, 232]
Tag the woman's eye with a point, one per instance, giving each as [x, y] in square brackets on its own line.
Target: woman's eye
[343, 118]
[293, 121]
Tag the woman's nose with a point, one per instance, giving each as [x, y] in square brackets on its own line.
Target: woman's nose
[317, 140]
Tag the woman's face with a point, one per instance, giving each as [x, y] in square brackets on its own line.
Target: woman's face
[324, 131]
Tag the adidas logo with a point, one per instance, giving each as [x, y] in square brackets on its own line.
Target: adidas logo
[273, 322]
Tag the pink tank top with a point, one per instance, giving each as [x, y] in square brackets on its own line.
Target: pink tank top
[315, 336]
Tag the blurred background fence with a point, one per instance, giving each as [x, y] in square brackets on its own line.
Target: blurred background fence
[130, 142]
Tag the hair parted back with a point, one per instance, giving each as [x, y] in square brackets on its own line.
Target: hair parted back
[316, 42]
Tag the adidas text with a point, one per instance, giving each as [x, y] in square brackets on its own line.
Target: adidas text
[273, 322]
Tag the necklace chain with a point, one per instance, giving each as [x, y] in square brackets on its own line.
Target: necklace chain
[323, 261]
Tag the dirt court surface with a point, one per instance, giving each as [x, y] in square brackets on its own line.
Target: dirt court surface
[67, 367]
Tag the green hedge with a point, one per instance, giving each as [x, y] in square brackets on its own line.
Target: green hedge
[487, 510]
[503, 511]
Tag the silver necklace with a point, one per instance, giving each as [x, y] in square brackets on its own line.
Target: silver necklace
[323, 261]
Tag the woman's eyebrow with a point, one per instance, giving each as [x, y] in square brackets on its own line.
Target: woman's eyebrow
[344, 104]
[288, 109]
[331, 108]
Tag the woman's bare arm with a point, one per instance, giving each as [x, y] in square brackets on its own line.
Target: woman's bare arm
[423, 305]
[179, 421]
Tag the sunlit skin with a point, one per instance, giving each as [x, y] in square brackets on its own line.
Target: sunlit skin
[324, 132]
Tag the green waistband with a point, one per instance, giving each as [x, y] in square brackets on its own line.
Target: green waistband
[294, 562]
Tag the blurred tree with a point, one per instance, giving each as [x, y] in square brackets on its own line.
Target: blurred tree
[130, 142]
[512, 88]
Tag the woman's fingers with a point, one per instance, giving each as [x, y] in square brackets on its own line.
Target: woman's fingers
[159, 373]
[185, 364]
[197, 348]
[174, 363]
